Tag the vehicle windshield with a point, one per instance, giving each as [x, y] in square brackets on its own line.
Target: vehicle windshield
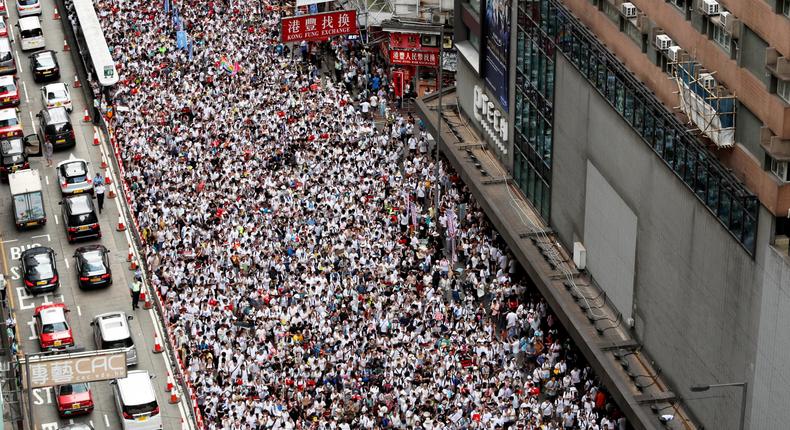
[29, 206]
[94, 262]
[54, 328]
[40, 267]
[120, 343]
[67, 390]
[5, 56]
[11, 147]
[145, 408]
[56, 94]
[8, 88]
[10, 121]
[33, 32]
[27, 2]
[45, 61]
[62, 127]
[74, 172]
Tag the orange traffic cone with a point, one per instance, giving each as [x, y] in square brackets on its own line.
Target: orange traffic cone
[56, 16]
[130, 255]
[147, 304]
[157, 345]
[96, 141]
[86, 117]
[107, 180]
[77, 83]
[111, 194]
[103, 162]
[133, 264]
[174, 397]
[66, 46]
[169, 387]
[121, 224]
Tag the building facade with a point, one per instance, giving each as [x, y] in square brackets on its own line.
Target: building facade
[655, 135]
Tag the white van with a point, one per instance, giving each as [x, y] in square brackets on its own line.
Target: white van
[136, 402]
[30, 33]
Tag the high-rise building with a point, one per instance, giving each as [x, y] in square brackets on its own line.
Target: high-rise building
[651, 140]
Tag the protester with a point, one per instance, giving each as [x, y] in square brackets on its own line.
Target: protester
[309, 277]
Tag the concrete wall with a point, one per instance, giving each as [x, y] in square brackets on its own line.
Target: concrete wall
[697, 293]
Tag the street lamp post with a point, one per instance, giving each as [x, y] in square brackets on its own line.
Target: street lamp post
[744, 387]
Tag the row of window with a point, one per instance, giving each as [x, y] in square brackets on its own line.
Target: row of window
[734, 206]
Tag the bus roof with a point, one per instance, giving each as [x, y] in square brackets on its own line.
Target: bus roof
[29, 22]
[24, 181]
[103, 64]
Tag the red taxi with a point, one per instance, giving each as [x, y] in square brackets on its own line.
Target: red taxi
[9, 94]
[74, 399]
[10, 125]
[52, 327]
[3, 28]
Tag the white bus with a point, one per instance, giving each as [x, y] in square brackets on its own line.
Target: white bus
[92, 44]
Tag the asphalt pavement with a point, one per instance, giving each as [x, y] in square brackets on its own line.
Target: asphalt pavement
[83, 304]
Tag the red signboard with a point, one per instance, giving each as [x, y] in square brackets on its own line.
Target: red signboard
[320, 26]
[414, 58]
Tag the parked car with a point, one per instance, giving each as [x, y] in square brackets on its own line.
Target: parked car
[14, 156]
[9, 93]
[79, 218]
[73, 399]
[44, 65]
[55, 126]
[52, 326]
[39, 271]
[10, 126]
[56, 95]
[111, 330]
[28, 7]
[135, 400]
[74, 177]
[93, 266]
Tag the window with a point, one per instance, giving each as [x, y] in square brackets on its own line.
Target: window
[475, 6]
[780, 169]
[474, 40]
[786, 8]
[722, 37]
[783, 87]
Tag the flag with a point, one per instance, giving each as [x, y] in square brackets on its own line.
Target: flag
[451, 224]
[189, 48]
[167, 6]
[181, 39]
[236, 69]
[225, 65]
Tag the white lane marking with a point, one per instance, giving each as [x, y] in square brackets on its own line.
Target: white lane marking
[32, 325]
[79, 311]
[46, 178]
[9, 241]
[42, 235]
[67, 262]
[27, 100]
[106, 421]
[16, 51]
[56, 218]
[32, 122]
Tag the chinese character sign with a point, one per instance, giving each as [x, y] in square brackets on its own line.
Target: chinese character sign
[414, 58]
[96, 366]
[320, 26]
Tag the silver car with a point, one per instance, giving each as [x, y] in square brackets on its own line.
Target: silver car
[111, 330]
[56, 95]
[74, 177]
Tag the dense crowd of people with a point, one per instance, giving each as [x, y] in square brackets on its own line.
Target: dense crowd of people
[290, 220]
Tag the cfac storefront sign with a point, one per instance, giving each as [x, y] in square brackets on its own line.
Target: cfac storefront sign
[493, 121]
[320, 26]
[414, 58]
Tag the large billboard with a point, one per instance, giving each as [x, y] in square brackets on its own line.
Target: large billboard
[74, 368]
[497, 57]
[320, 26]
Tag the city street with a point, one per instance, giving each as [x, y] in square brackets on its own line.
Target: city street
[82, 304]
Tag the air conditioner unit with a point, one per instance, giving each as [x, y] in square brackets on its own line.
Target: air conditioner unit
[437, 18]
[674, 53]
[710, 7]
[429, 40]
[707, 81]
[628, 10]
[725, 18]
[663, 42]
[579, 255]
